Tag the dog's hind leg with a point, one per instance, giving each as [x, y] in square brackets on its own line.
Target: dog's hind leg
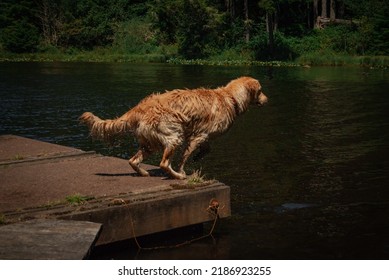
[166, 164]
[136, 160]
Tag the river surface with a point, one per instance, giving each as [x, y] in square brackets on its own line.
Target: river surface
[309, 172]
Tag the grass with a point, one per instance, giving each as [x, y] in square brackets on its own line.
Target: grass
[211, 62]
[17, 157]
[315, 59]
[168, 54]
[196, 178]
[77, 199]
[53, 203]
[374, 61]
[74, 55]
[2, 219]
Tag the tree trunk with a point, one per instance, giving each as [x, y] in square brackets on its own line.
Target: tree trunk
[332, 10]
[270, 31]
[246, 21]
[48, 15]
[275, 21]
[315, 13]
[230, 5]
[341, 9]
[308, 9]
[323, 8]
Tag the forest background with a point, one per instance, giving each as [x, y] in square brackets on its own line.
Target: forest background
[314, 32]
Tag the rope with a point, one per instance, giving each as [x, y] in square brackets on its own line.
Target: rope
[213, 209]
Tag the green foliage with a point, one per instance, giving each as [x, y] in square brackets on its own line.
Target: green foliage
[192, 29]
[135, 36]
[227, 62]
[20, 37]
[340, 39]
[164, 20]
[378, 31]
[234, 33]
[2, 219]
[156, 30]
[283, 47]
[196, 178]
[194, 25]
[196, 31]
[374, 61]
[86, 25]
[18, 31]
[373, 25]
[239, 53]
[77, 199]
[333, 39]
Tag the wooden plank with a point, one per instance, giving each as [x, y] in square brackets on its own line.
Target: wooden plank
[44, 239]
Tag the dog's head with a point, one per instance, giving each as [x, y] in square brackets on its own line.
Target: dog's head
[254, 89]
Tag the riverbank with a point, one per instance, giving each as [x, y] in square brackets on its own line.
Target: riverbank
[313, 59]
[304, 61]
[81, 56]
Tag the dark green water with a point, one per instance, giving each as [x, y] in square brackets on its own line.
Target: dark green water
[308, 172]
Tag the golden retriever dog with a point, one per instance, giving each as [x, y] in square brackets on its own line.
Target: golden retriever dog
[178, 117]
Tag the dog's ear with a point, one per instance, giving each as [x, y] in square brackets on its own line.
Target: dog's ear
[253, 87]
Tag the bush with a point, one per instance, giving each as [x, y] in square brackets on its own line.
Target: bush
[20, 37]
[282, 49]
[198, 30]
[374, 61]
[135, 36]
[340, 39]
[192, 29]
[239, 53]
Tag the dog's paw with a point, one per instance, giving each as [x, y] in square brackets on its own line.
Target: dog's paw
[180, 176]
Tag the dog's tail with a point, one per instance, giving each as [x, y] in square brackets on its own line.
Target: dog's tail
[105, 130]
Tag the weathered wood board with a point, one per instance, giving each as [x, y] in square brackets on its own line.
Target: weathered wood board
[48, 239]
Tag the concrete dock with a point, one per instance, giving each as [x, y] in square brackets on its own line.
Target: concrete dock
[38, 180]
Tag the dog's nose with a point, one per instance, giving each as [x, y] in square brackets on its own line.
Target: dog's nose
[262, 99]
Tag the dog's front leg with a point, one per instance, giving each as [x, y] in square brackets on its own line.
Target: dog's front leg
[204, 149]
[194, 143]
[166, 165]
